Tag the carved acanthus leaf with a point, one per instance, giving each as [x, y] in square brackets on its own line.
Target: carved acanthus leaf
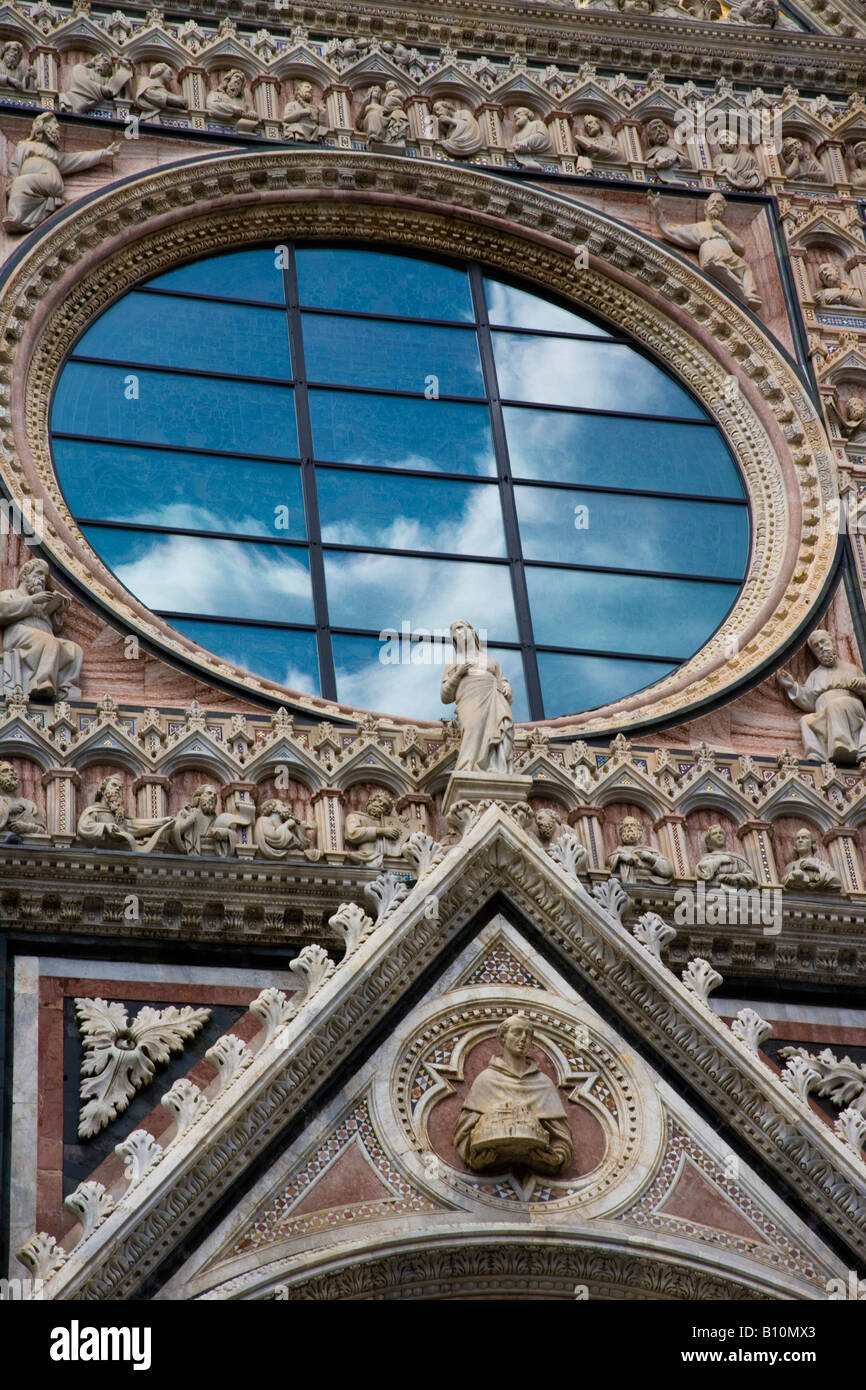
[612, 897]
[568, 852]
[844, 1082]
[423, 853]
[751, 1029]
[314, 966]
[352, 921]
[653, 933]
[185, 1101]
[799, 1074]
[700, 977]
[230, 1055]
[42, 1255]
[851, 1128]
[120, 1055]
[139, 1152]
[273, 1008]
[91, 1204]
[387, 892]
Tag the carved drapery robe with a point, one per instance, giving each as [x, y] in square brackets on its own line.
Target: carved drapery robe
[51, 663]
[482, 697]
[498, 1089]
[834, 729]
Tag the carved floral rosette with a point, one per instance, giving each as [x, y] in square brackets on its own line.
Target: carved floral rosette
[590, 1071]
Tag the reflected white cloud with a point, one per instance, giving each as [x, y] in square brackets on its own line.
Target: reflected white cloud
[471, 525]
[383, 591]
[521, 309]
[606, 376]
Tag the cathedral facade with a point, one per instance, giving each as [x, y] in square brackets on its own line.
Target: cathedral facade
[433, 782]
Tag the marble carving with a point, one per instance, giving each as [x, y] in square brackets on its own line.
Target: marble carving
[37, 169]
[723, 867]
[633, 861]
[35, 657]
[720, 251]
[483, 697]
[807, 872]
[834, 725]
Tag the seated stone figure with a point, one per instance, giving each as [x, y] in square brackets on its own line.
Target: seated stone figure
[45, 665]
[736, 163]
[513, 1113]
[93, 82]
[304, 116]
[595, 141]
[635, 862]
[807, 872]
[15, 70]
[229, 102]
[662, 154]
[799, 163]
[105, 823]
[153, 92]
[723, 867]
[459, 132]
[374, 832]
[18, 816]
[278, 832]
[836, 292]
[200, 822]
[721, 253]
[834, 726]
[531, 136]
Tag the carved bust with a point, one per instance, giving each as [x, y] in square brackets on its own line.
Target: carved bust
[662, 153]
[858, 173]
[304, 116]
[15, 70]
[635, 862]
[229, 102]
[595, 141]
[807, 872]
[736, 163]
[513, 1113]
[721, 866]
[105, 823]
[278, 832]
[799, 163]
[531, 135]
[153, 92]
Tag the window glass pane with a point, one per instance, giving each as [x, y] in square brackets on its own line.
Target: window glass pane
[395, 356]
[200, 412]
[613, 452]
[410, 513]
[191, 333]
[570, 683]
[237, 275]
[520, 309]
[603, 376]
[189, 574]
[373, 282]
[375, 676]
[277, 654]
[384, 591]
[195, 491]
[625, 613]
[446, 436]
[638, 533]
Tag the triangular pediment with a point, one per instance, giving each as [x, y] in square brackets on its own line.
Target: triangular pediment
[599, 981]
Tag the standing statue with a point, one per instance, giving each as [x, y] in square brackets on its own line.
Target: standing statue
[807, 871]
[229, 102]
[95, 81]
[836, 292]
[37, 168]
[374, 832]
[44, 665]
[277, 832]
[723, 867]
[633, 861]
[736, 163]
[513, 1112]
[474, 681]
[304, 117]
[106, 824]
[18, 816]
[396, 119]
[721, 253]
[15, 70]
[834, 729]
[459, 132]
[153, 92]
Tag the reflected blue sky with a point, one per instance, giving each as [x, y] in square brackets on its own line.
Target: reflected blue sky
[383, 591]
[410, 513]
[392, 356]
[521, 309]
[584, 682]
[274, 653]
[374, 282]
[250, 274]
[438, 436]
[601, 376]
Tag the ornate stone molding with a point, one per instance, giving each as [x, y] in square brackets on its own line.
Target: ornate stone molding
[104, 246]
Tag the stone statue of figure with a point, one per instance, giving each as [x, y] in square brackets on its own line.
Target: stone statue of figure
[595, 141]
[723, 867]
[396, 119]
[105, 823]
[858, 173]
[531, 135]
[850, 415]
[18, 816]
[482, 695]
[798, 163]
[513, 1112]
[662, 153]
[807, 871]
[44, 665]
[459, 132]
[153, 92]
[199, 820]
[36, 170]
[304, 117]
[834, 729]
[374, 832]
[836, 292]
[763, 13]
[277, 832]
[721, 253]
[15, 70]
[736, 163]
[633, 861]
[373, 120]
[229, 102]
[93, 82]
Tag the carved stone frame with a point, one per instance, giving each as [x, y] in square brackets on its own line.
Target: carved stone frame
[104, 245]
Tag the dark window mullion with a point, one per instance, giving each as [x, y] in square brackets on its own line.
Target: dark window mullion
[327, 674]
[506, 495]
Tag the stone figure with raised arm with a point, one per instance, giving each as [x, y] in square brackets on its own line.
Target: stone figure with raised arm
[720, 251]
[45, 665]
[834, 725]
[513, 1112]
[483, 697]
[97, 80]
[37, 169]
[374, 832]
